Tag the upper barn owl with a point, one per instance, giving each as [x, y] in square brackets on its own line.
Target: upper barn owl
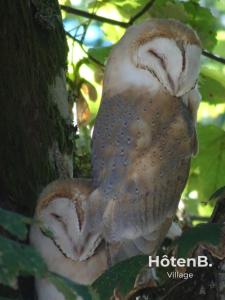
[69, 252]
[144, 135]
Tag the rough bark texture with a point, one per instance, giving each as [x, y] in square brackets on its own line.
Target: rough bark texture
[35, 125]
[32, 59]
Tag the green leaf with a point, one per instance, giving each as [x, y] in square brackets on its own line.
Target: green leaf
[220, 46]
[202, 233]
[71, 289]
[121, 276]
[169, 9]
[207, 171]
[202, 20]
[126, 8]
[14, 223]
[211, 86]
[17, 259]
[46, 231]
[190, 12]
[20, 259]
[100, 54]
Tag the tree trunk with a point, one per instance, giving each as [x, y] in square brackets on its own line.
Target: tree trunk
[35, 123]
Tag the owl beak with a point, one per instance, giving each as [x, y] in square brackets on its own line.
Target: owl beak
[78, 250]
[174, 87]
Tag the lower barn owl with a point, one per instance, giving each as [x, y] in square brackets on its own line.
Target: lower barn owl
[68, 251]
[144, 134]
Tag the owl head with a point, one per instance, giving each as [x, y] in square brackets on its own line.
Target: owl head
[61, 210]
[157, 54]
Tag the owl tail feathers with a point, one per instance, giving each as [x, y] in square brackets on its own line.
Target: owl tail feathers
[126, 249]
[147, 244]
[117, 223]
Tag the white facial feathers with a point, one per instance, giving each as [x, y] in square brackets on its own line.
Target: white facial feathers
[64, 216]
[158, 54]
[68, 251]
[61, 218]
[189, 76]
[175, 67]
[163, 59]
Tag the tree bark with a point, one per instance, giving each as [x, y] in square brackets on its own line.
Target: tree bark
[35, 123]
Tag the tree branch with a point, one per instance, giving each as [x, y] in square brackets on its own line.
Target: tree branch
[199, 218]
[81, 44]
[87, 15]
[141, 12]
[95, 17]
[213, 56]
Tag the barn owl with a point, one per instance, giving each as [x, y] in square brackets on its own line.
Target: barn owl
[144, 135]
[67, 251]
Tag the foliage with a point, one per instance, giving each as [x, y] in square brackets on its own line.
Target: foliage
[212, 86]
[121, 276]
[202, 233]
[100, 54]
[207, 173]
[17, 258]
[14, 223]
[71, 289]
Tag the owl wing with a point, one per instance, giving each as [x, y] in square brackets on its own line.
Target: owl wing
[142, 147]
